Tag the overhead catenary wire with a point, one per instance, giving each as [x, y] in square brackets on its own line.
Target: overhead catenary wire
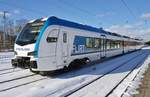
[25, 9]
[41, 13]
[76, 7]
[128, 8]
[131, 12]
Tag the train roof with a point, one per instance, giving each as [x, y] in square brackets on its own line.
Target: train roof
[57, 21]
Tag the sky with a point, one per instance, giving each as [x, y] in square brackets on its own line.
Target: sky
[126, 17]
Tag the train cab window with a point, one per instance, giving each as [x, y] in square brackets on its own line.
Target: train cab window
[65, 37]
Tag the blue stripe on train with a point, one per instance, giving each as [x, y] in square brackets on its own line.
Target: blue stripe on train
[39, 37]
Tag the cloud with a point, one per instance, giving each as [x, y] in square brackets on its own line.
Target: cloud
[145, 16]
[16, 11]
[123, 30]
[105, 14]
[8, 14]
[131, 30]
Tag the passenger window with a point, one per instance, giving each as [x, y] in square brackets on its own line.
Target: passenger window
[65, 37]
[109, 43]
[51, 39]
[89, 42]
[97, 43]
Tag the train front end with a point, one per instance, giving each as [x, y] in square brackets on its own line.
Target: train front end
[24, 47]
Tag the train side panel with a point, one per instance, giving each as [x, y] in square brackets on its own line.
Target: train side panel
[47, 56]
[70, 44]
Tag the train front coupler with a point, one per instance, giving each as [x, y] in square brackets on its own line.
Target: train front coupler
[22, 62]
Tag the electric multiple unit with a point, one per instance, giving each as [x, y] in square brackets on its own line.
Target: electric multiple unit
[49, 44]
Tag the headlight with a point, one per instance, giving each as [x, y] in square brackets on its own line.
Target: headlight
[34, 53]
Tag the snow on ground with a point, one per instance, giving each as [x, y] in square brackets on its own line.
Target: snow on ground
[102, 87]
[5, 60]
[8, 70]
[136, 81]
[131, 81]
[15, 74]
[60, 85]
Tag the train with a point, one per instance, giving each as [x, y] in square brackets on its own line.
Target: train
[49, 44]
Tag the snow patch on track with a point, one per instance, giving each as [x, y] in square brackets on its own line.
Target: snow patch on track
[134, 84]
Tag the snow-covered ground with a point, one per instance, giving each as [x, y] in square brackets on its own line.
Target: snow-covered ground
[23, 83]
[5, 59]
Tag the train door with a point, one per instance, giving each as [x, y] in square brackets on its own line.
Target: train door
[103, 46]
[65, 47]
[50, 48]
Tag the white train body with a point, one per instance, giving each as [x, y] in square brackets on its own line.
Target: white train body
[58, 42]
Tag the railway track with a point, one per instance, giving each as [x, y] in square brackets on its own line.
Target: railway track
[6, 69]
[140, 62]
[5, 89]
[20, 81]
[13, 83]
[9, 70]
[17, 78]
[94, 80]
